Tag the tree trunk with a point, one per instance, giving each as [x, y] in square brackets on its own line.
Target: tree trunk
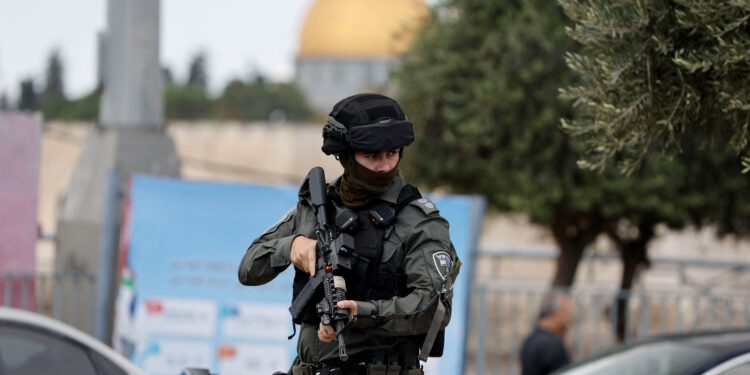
[573, 231]
[567, 264]
[634, 254]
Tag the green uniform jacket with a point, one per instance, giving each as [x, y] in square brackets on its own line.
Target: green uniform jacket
[419, 246]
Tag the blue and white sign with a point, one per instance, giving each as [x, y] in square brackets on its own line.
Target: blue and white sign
[180, 304]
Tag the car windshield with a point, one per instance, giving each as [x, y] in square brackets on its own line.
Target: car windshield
[655, 359]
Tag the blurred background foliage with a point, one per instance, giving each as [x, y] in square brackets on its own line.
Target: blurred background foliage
[655, 73]
[481, 86]
[253, 99]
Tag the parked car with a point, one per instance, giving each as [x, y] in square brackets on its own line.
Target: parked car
[705, 353]
[33, 344]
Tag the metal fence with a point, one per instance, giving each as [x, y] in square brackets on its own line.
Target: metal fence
[68, 297]
[502, 316]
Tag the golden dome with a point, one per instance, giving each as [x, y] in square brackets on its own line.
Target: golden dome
[360, 28]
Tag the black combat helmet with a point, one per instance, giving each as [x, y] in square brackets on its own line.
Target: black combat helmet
[366, 122]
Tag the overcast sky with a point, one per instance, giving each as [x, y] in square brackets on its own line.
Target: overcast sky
[239, 36]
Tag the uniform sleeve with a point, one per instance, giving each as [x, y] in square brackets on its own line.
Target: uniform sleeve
[429, 261]
[268, 255]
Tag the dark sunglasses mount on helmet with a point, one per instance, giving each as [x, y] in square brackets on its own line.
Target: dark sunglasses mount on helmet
[387, 134]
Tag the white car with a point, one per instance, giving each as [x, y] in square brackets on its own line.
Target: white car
[698, 353]
[33, 344]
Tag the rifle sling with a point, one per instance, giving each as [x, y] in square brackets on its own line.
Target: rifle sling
[437, 320]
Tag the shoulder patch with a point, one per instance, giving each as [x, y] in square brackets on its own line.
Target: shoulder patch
[443, 263]
[425, 204]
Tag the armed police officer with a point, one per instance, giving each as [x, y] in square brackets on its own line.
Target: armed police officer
[399, 283]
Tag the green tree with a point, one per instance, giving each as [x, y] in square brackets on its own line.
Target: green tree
[197, 76]
[188, 103]
[288, 99]
[167, 76]
[53, 100]
[54, 86]
[242, 101]
[85, 108]
[654, 71]
[716, 188]
[256, 100]
[4, 105]
[480, 85]
[28, 99]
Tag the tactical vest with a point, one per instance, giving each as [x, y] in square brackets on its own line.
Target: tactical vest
[374, 224]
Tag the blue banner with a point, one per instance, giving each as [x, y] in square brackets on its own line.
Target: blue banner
[180, 304]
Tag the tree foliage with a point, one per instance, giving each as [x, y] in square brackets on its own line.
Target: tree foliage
[53, 101]
[653, 72]
[188, 102]
[54, 86]
[714, 188]
[258, 99]
[197, 75]
[481, 81]
[4, 104]
[480, 84]
[167, 76]
[240, 100]
[85, 108]
[28, 99]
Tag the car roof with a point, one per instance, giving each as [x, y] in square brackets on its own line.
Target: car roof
[721, 344]
[17, 316]
[724, 341]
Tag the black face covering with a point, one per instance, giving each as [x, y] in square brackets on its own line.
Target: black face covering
[359, 183]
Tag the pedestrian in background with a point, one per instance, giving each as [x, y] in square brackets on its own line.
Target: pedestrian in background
[543, 350]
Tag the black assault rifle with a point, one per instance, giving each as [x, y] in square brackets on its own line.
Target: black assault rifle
[333, 260]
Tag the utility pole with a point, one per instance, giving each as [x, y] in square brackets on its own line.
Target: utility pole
[129, 138]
